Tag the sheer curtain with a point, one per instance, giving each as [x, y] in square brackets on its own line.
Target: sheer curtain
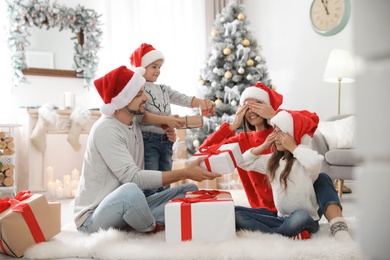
[176, 27]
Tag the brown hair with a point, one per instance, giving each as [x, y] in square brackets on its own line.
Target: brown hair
[273, 165]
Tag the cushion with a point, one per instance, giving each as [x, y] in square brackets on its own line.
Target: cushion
[339, 134]
[344, 157]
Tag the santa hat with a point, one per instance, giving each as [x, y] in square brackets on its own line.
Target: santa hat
[299, 124]
[262, 93]
[143, 56]
[117, 88]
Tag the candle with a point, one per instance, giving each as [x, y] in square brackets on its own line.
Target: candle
[75, 175]
[51, 188]
[57, 183]
[67, 189]
[66, 178]
[60, 192]
[50, 173]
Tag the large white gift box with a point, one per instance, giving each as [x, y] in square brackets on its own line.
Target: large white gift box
[200, 217]
[223, 159]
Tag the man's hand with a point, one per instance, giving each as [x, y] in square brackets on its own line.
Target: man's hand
[171, 134]
[197, 173]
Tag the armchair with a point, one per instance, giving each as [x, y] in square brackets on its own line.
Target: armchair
[334, 139]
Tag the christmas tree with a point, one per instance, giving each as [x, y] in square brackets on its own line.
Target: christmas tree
[234, 63]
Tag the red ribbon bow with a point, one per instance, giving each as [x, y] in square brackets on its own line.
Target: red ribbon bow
[213, 150]
[6, 202]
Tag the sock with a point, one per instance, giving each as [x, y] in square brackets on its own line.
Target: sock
[79, 119]
[46, 115]
[339, 229]
[302, 236]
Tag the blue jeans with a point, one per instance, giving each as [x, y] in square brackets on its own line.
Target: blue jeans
[158, 155]
[127, 206]
[326, 195]
[266, 221]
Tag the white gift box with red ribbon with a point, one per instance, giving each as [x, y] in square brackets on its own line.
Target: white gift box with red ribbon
[221, 159]
[201, 216]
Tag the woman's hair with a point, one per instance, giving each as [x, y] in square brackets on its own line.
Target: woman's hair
[273, 165]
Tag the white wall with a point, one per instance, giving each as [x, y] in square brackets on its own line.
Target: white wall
[297, 56]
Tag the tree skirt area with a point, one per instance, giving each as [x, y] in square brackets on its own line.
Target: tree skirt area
[114, 244]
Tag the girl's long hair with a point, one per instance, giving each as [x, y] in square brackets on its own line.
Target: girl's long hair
[273, 165]
[248, 127]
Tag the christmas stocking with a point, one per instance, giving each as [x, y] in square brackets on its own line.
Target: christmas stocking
[46, 115]
[79, 119]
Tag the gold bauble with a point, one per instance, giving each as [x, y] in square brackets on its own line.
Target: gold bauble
[228, 74]
[241, 16]
[218, 102]
[273, 87]
[227, 51]
[250, 62]
[201, 82]
[214, 33]
[246, 42]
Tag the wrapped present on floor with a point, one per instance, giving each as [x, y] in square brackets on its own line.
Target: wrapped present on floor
[221, 159]
[25, 220]
[204, 215]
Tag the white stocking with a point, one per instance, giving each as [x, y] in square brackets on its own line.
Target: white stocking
[46, 115]
[79, 119]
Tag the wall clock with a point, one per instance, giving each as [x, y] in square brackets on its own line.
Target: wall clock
[329, 17]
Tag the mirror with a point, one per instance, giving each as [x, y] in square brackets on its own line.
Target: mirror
[26, 18]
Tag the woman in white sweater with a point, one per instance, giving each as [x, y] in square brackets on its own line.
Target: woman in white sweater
[292, 169]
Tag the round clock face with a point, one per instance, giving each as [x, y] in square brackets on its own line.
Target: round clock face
[329, 17]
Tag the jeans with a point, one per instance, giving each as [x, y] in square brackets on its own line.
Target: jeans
[158, 155]
[266, 221]
[127, 206]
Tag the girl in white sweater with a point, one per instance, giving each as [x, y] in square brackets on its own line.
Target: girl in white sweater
[292, 169]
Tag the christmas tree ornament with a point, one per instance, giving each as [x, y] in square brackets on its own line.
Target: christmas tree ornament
[246, 42]
[227, 51]
[241, 70]
[201, 82]
[258, 58]
[196, 143]
[214, 84]
[214, 33]
[273, 87]
[241, 16]
[218, 102]
[233, 103]
[250, 62]
[79, 118]
[249, 77]
[46, 116]
[215, 70]
[228, 74]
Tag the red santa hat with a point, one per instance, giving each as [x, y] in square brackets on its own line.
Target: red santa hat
[143, 56]
[299, 124]
[117, 88]
[262, 93]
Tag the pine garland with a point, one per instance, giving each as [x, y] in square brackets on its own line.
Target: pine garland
[39, 13]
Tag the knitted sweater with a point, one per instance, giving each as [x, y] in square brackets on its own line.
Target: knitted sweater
[256, 185]
[160, 99]
[300, 191]
[114, 155]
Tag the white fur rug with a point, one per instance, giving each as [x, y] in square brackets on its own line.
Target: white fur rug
[114, 244]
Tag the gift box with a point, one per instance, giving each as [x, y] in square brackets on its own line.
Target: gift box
[25, 220]
[219, 159]
[55, 208]
[200, 216]
[195, 121]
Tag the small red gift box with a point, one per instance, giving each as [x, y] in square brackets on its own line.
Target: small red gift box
[25, 220]
[203, 215]
[220, 159]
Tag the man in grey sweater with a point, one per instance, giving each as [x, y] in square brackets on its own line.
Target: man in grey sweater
[110, 194]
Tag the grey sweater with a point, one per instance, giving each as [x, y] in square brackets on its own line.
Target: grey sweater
[114, 155]
[160, 99]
